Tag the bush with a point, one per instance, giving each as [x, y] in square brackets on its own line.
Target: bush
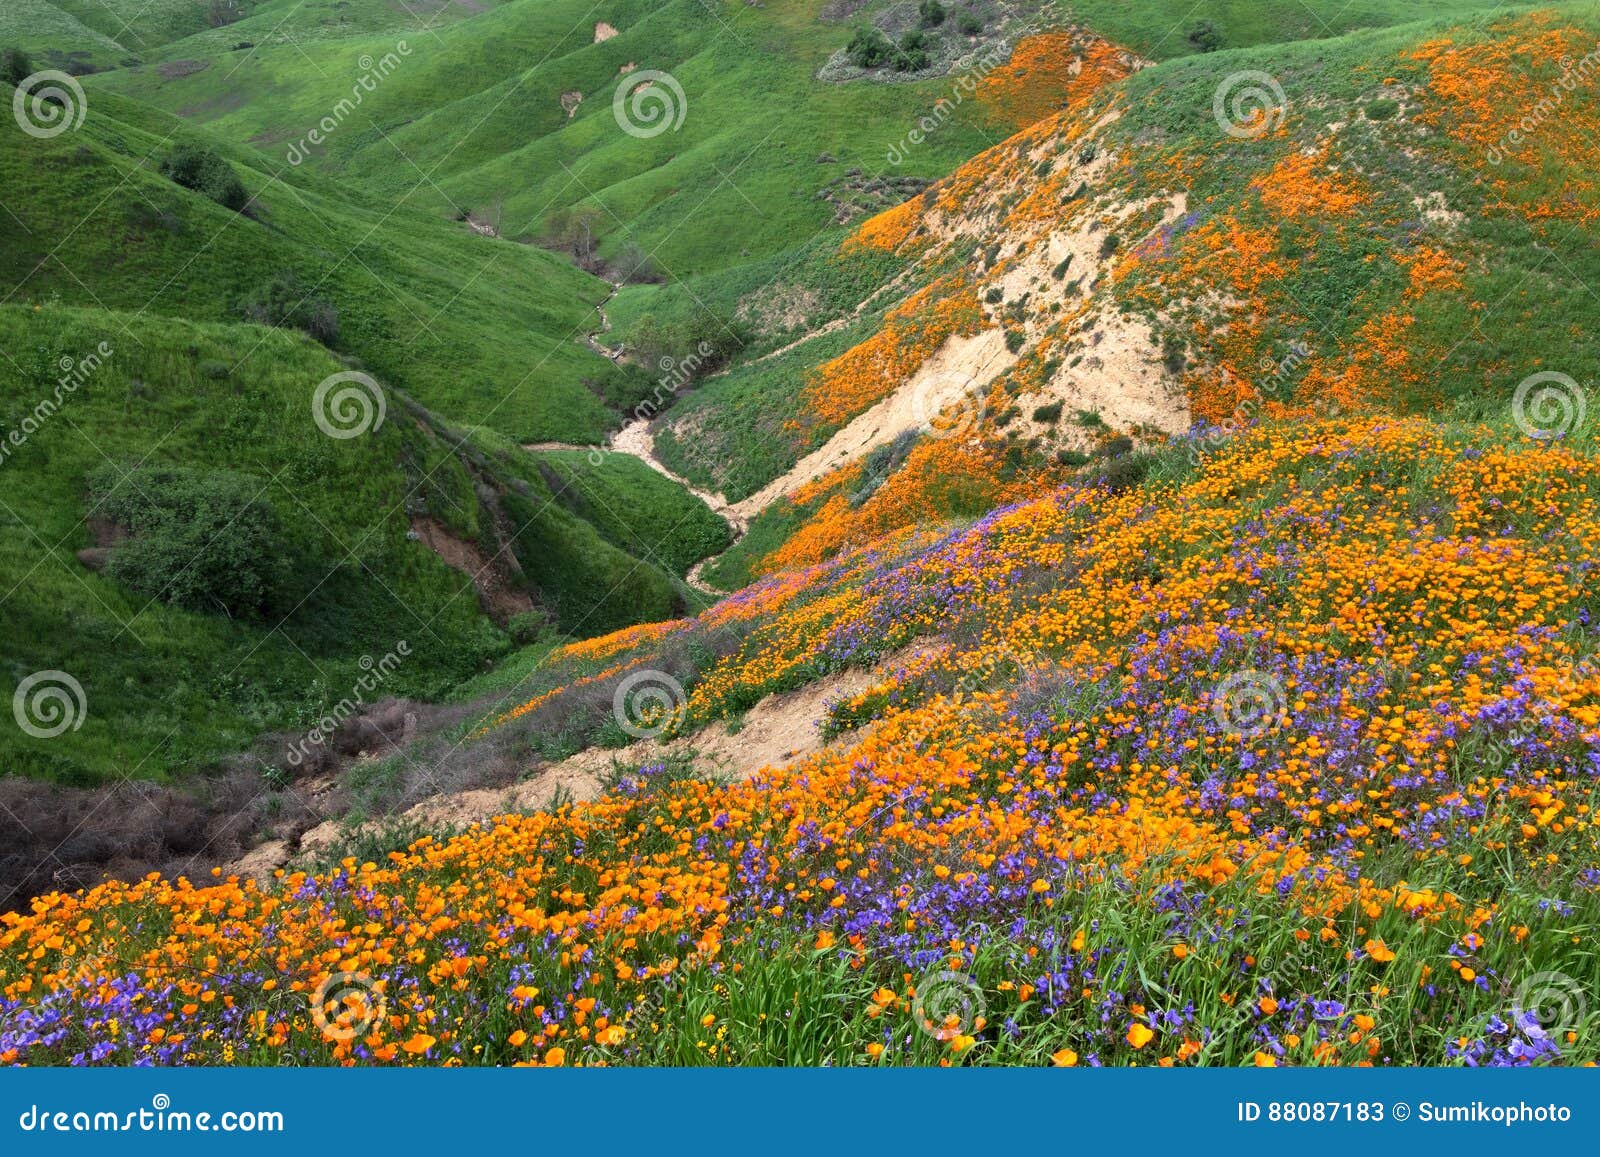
[202, 540]
[932, 13]
[283, 303]
[528, 628]
[969, 24]
[913, 53]
[1205, 37]
[1015, 339]
[205, 173]
[1050, 413]
[15, 67]
[1382, 110]
[881, 462]
[869, 48]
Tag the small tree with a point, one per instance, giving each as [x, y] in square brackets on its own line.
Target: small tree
[202, 540]
[203, 171]
[969, 23]
[932, 13]
[1205, 37]
[284, 303]
[869, 48]
[15, 67]
[913, 52]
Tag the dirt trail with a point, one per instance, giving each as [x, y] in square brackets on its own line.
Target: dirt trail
[777, 732]
[635, 440]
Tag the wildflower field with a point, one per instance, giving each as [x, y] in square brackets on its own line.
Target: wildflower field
[1288, 756]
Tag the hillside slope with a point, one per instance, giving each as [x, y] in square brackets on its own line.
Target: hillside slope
[1362, 235]
[85, 391]
[483, 331]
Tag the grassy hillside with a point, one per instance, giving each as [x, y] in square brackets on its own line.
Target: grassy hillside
[1383, 244]
[481, 330]
[168, 686]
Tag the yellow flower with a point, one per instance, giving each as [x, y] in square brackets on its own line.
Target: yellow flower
[420, 1043]
[1139, 1036]
[1063, 1058]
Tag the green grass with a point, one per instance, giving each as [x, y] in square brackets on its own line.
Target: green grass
[1161, 31]
[168, 688]
[483, 331]
[476, 107]
[636, 509]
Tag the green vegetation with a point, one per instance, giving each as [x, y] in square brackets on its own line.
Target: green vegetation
[203, 540]
[202, 170]
[181, 431]
[479, 330]
[636, 509]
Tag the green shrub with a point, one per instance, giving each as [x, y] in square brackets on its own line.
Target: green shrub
[202, 171]
[201, 540]
[932, 13]
[913, 52]
[869, 48]
[1383, 110]
[1205, 37]
[1015, 339]
[1115, 447]
[283, 303]
[15, 67]
[528, 628]
[969, 23]
[881, 462]
[1050, 413]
